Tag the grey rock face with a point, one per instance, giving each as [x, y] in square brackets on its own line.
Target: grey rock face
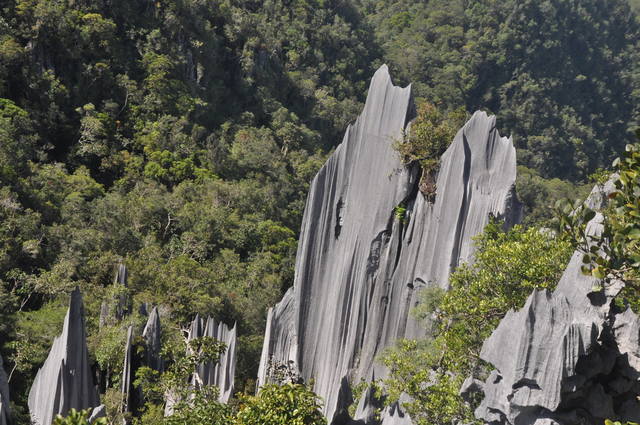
[5, 412]
[567, 356]
[127, 371]
[152, 337]
[65, 380]
[97, 413]
[121, 305]
[358, 268]
[222, 373]
[279, 336]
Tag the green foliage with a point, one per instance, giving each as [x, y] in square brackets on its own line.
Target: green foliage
[34, 332]
[180, 137]
[614, 253]
[543, 66]
[430, 135]
[281, 404]
[194, 404]
[77, 417]
[610, 422]
[203, 408]
[400, 212]
[539, 196]
[177, 137]
[508, 266]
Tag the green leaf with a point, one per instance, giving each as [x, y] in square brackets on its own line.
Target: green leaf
[598, 272]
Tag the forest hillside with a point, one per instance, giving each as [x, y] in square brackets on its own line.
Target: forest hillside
[179, 138]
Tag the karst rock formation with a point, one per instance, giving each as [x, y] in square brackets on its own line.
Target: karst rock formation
[152, 334]
[359, 266]
[222, 373]
[65, 381]
[567, 357]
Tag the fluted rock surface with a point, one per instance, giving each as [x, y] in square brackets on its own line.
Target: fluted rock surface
[118, 308]
[127, 371]
[5, 412]
[222, 373]
[566, 357]
[152, 334]
[359, 268]
[65, 380]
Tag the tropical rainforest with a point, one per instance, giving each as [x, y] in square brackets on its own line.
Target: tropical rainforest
[179, 137]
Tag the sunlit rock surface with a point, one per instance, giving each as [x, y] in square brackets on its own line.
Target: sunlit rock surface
[359, 268]
[566, 357]
[222, 373]
[65, 380]
[127, 371]
[152, 334]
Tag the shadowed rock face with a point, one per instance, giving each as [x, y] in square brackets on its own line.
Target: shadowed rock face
[152, 338]
[5, 413]
[222, 373]
[359, 268]
[65, 380]
[566, 357]
[151, 335]
[122, 305]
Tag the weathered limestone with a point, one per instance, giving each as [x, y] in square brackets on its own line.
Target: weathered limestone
[222, 373]
[358, 267]
[566, 357]
[5, 412]
[152, 337]
[121, 305]
[152, 345]
[65, 380]
[127, 371]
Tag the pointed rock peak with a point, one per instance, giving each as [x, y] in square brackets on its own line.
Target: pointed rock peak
[65, 380]
[195, 330]
[121, 275]
[127, 371]
[152, 321]
[152, 335]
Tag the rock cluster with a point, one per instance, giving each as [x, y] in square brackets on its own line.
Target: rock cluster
[361, 260]
[222, 373]
[566, 357]
[65, 380]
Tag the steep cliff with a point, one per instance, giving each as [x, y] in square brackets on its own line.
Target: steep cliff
[65, 380]
[566, 357]
[359, 267]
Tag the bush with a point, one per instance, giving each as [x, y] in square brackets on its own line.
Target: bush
[291, 404]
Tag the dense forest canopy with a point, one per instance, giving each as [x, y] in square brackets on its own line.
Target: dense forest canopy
[179, 137]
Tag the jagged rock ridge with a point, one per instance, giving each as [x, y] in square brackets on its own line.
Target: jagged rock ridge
[222, 373]
[65, 380]
[566, 357]
[358, 267]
